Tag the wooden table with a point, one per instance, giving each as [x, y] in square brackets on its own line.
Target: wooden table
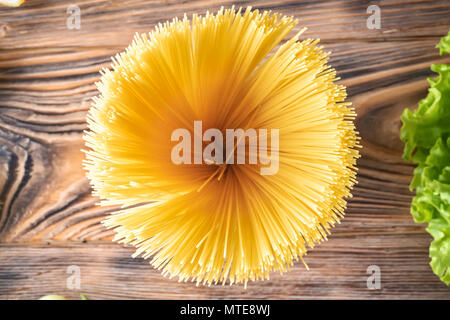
[49, 219]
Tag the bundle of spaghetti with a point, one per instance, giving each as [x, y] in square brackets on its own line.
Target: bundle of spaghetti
[204, 222]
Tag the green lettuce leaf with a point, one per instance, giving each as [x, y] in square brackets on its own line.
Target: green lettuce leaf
[444, 45]
[426, 133]
[440, 248]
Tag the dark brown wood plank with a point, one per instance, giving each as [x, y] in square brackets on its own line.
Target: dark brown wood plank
[46, 196]
[45, 126]
[338, 269]
[47, 76]
[113, 23]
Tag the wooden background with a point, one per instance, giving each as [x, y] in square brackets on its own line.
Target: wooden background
[49, 220]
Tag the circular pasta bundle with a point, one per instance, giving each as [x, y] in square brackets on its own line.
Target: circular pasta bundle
[224, 222]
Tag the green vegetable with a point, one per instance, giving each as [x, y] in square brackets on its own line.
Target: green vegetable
[426, 134]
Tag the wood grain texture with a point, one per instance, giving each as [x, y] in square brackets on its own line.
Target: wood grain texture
[337, 270]
[114, 22]
[49, 220]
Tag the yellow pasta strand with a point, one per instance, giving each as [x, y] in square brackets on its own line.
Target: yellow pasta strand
[226, 223]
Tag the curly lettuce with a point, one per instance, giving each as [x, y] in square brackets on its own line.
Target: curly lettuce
[426, 133]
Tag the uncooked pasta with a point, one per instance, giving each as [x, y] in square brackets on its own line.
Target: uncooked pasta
[217, 219]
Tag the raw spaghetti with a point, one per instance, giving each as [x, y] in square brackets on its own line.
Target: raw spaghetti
[227, 223]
